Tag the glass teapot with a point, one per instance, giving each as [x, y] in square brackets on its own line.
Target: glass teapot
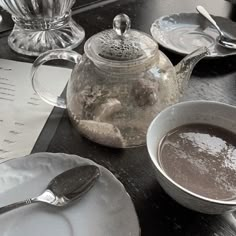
[119, 85]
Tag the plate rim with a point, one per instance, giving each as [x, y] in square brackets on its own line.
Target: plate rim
[85, 160]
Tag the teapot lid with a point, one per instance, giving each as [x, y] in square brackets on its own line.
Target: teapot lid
[120, 45]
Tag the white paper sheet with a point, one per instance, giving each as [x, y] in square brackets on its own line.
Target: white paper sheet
[22, 113]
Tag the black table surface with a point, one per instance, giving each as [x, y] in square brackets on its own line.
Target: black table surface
[212, 79]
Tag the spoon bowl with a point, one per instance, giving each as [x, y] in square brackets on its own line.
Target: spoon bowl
[223, 39]
[64, 188]
[227, 42]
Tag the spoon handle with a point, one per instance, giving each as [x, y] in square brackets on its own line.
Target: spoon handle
[15, 205]
[204, 13]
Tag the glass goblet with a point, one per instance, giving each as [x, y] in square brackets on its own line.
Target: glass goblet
[42, 25]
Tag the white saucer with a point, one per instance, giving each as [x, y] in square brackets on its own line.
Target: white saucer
[185, 32]
[105, 210]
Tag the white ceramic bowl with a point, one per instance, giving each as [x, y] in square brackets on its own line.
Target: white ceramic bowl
[205, 112]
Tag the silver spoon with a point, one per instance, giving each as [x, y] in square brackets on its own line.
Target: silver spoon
[223, 40]
[64, 188]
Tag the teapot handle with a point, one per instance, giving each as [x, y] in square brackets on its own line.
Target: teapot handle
[40, 60]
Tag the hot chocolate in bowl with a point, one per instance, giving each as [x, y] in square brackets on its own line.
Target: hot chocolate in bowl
[192, 146]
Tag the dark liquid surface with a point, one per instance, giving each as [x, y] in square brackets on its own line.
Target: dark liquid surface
[202, 159]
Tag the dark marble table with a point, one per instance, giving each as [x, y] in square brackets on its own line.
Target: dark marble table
[213, 79]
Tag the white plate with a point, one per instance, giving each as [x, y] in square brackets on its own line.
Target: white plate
[185, 32]
[106, 210]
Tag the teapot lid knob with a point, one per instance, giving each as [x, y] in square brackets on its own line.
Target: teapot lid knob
[121, 24]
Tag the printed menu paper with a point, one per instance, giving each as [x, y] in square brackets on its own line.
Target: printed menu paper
[22, 113]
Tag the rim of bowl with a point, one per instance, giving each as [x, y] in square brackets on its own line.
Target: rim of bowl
[162, 172]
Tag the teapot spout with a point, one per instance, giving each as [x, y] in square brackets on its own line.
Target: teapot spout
[185, 67]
